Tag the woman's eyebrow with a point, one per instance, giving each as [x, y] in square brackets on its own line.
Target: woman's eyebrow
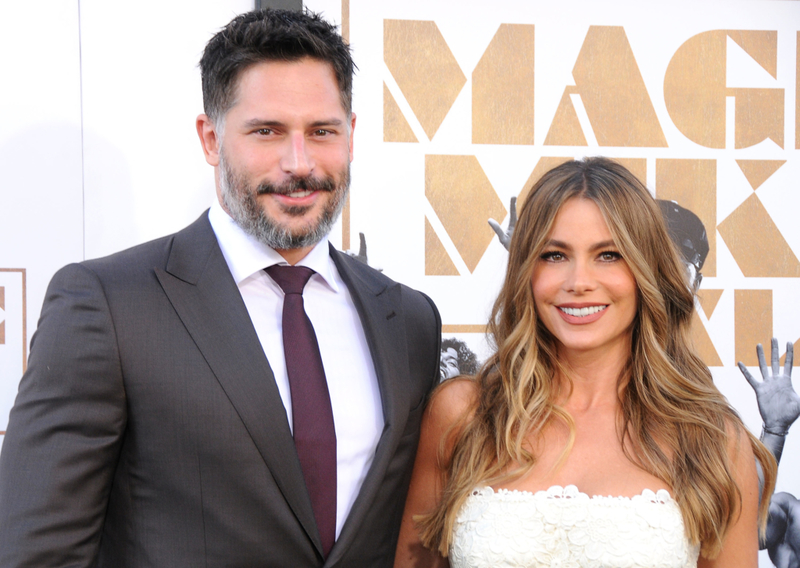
[604, 244]
[555, 243]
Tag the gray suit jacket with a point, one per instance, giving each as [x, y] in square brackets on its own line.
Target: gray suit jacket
[148, 429]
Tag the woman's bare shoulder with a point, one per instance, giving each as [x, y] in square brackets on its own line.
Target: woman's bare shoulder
[452, 400]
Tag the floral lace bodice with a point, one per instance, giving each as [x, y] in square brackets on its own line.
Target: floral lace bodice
[564, 528]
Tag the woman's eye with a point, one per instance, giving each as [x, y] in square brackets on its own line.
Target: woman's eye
[610, 256]
[552, 256]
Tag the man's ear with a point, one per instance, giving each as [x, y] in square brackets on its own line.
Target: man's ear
[209, 139]
[352, 129]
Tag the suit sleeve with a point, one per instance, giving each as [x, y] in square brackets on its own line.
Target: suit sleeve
[64, 431]
[425, 331]
[436, 341]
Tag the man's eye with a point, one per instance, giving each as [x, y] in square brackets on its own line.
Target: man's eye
[264, 131]
[321, 132]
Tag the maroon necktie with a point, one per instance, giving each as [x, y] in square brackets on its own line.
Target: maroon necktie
[312, 416]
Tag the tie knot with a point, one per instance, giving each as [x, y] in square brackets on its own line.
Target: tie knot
[291, 279]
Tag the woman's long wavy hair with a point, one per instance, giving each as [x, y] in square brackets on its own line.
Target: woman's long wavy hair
[676, 425]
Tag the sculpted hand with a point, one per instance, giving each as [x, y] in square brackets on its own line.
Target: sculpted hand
[505, 235]
[362, 250]
[778, 402]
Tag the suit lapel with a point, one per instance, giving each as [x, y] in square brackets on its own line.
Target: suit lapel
[200, 287]
[378, 307]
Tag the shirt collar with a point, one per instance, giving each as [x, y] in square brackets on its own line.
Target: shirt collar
[246, 256]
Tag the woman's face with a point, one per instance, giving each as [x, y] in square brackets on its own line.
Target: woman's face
[584, 292]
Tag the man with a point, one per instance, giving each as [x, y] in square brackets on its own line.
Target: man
[157, 424]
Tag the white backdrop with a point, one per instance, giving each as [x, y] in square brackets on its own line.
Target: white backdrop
[99, 150]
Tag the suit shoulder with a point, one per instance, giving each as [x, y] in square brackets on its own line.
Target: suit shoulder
[362, 270]
[377, 280]
[144, 253]
[152, 254]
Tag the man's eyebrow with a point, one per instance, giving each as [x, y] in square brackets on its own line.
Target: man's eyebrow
[261, 123]
[329, 122]
[266, 123]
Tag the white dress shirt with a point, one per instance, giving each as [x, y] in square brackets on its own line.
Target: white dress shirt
[349, 370]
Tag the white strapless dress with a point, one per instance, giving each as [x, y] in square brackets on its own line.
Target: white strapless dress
[564, 528]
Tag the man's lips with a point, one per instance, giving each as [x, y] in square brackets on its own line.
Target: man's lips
[296, 188]
[302, 198]
[291, 192]
[300, 194]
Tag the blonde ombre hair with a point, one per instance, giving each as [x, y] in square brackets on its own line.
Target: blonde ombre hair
[674, 417]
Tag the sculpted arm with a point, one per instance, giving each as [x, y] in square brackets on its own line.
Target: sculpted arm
[778, 402]
[64, 431]
[448, 403]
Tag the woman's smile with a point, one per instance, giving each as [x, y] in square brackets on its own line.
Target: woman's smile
[584, 291]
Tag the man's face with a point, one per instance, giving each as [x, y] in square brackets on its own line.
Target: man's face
[448, 364]
[284, 154]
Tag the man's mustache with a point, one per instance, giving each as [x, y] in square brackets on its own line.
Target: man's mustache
[308, 183]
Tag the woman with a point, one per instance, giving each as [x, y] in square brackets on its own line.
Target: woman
[595, 391]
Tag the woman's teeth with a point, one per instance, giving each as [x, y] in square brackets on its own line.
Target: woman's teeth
[582, 312]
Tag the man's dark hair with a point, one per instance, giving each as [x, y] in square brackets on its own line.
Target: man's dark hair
[270, 35]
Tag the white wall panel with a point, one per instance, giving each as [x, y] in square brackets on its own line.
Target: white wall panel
[144, 169]
[41, 203]
[98, 148]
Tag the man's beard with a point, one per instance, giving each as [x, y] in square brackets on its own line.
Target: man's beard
[239, 197]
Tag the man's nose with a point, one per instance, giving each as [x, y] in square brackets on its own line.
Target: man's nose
[296, 159]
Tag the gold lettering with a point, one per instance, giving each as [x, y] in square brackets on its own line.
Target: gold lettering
[424, 67]
[759, 116]
[450, 183]
[395, 125]
[566, 128]
[502, 88]
[756, 243]
[708, 300]
[613, 91]
[695, 90]
[759, 171]
[703, 344]
[437, 261]
[752, 323]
